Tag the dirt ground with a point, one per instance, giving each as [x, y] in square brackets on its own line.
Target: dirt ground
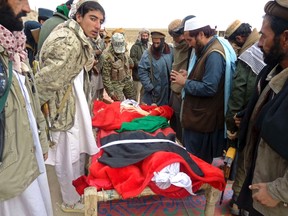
[56, 194]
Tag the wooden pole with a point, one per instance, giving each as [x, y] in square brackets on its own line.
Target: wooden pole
[90, 199]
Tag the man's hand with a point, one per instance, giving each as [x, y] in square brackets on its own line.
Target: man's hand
[262, 196]
[237, 120]
[178, 77]
[231, 135]
[114, 98]
[45, 156]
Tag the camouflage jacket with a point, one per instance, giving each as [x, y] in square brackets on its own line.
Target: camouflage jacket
[116, 68]
[64, 54]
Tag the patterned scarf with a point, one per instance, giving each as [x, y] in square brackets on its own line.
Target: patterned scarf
[13, 42]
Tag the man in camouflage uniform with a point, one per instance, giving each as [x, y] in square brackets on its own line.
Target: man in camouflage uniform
[116, 71]
[65, 59]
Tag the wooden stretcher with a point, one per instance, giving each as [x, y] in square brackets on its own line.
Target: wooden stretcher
[92, 197]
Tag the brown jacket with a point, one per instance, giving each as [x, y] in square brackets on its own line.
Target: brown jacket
[204, 114]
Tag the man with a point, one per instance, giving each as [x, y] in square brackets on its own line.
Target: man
[207, 89]
[63, 81]
[116, 71]
[60, 16]
[32, 31]
[249, 64]
[136, 52]
[97, 87]
[24, 188]
[240, 36]
[182, 51]
[154, 70]
[264, 127]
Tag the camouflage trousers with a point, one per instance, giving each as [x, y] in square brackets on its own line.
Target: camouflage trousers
[124, 89]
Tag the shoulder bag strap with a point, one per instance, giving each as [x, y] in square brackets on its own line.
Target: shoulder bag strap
[63, 101]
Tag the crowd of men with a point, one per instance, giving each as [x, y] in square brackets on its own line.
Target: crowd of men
[225, 92]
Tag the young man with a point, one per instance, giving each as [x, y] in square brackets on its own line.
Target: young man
[24, 186]
[264, 126]
[63, 81]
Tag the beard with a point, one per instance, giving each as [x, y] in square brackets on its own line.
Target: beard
[198, 48]
[144, 41]
[9, 20]
[275, 55]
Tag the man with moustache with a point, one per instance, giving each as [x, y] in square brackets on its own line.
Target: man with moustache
[136, 52]
[249, 64]
[263, 130]
[154, 70]
[206, 89]
[24, 186]
[182, 53]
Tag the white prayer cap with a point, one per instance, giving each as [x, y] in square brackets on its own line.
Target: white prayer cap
[195, 23]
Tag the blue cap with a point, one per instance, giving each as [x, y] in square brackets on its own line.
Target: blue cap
[43, 12]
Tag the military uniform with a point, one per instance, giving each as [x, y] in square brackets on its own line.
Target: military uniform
[116, 72]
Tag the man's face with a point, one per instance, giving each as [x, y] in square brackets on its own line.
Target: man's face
[11, 13]
[270, 45]
[189, 40]
[156, 43]
[144, 38]
[90, 23]
[199, 45]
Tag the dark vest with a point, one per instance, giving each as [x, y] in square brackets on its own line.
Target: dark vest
[204, 114]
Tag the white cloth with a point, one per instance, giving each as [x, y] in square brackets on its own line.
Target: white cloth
[36, 199]
[70, 145]
[253, 57]
[171, 175]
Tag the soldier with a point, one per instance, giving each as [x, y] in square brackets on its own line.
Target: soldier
[65, 59]
[117, 78]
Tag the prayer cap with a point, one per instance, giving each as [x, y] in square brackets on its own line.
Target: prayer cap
[194, 24]
[156, 34]
[181, 27]
[232, 28]
[174, 25]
